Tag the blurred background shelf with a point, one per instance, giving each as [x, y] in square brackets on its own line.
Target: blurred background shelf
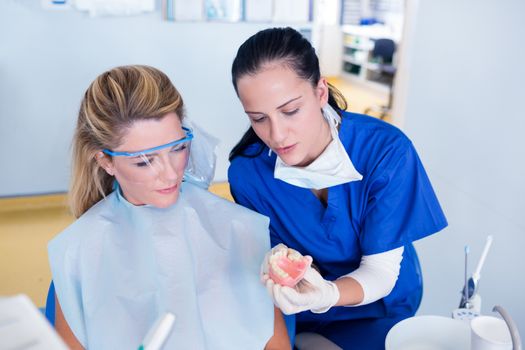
[359, 64]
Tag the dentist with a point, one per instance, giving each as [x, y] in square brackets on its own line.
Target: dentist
[346, 189]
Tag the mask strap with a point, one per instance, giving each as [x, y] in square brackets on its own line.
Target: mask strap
[332, 118]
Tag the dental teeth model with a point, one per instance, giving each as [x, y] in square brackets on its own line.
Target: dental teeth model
[288, 266]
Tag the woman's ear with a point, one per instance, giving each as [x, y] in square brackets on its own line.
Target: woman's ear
[105, 163]
[322, 91]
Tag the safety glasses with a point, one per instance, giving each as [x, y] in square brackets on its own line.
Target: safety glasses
[165, 161]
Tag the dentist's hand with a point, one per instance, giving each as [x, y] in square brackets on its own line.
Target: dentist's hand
[313, 293]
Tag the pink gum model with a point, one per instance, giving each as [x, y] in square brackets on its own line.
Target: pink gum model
[295, 270]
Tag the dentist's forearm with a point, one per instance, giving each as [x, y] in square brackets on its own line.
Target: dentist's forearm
[350, 291]
[374, 279]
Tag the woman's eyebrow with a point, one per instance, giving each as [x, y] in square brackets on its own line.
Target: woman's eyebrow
[281, 106]
[289, 101]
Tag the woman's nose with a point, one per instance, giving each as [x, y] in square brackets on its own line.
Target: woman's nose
[168, 172]
[277, 132]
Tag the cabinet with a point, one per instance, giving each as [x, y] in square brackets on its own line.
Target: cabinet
[358, 64]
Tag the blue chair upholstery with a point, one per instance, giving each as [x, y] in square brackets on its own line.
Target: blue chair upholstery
[289, 320]
[50, 304]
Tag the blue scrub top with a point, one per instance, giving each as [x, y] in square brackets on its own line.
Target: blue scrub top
[393, 205]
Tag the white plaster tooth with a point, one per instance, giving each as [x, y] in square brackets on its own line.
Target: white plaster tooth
[280, 272]
[294, 255]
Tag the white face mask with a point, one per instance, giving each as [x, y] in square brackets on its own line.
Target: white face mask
[333, 167]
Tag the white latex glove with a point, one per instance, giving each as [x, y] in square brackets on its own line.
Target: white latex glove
[313, 293]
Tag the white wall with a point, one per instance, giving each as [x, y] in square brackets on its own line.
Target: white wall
[48, 59]
[465, 113]
[328, 36]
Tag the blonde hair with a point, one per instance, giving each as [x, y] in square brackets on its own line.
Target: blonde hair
[111, 104]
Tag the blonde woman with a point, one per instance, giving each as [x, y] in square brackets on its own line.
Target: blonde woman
[146, 243]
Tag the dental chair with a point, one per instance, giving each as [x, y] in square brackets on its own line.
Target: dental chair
[50, 304]
[314, 341]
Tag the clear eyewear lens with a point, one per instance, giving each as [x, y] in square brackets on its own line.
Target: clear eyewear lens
[146, 167]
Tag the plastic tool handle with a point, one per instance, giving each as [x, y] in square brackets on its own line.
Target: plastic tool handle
[481, 261]
[159, 333]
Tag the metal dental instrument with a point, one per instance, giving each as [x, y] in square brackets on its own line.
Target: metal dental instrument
[464, 299]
